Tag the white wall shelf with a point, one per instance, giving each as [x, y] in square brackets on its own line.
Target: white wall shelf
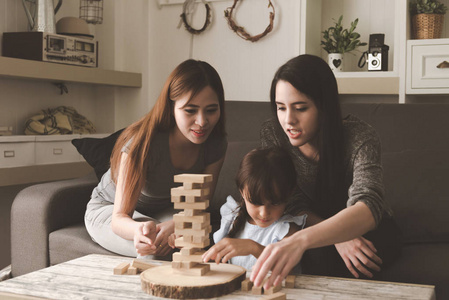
[53, 72]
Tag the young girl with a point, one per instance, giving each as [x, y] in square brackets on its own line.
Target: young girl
[263, 215]
[130, 211]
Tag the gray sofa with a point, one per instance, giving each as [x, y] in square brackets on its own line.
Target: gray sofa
[47, 219]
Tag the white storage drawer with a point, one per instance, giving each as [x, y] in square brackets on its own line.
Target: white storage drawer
[56, 150]
[16, 152]
[424, 75]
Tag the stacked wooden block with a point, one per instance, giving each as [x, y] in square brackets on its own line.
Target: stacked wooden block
[193, 224]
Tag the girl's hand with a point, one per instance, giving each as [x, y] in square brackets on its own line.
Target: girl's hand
[171, 240]
[144, 236]
[227, 248]
[163, 230]
[359, 253]
[280, 258]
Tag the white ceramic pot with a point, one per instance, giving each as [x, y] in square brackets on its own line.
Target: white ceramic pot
[335, 61]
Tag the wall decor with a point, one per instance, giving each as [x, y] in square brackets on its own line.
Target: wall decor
[241, 31]
[91, 11]
[187, 9]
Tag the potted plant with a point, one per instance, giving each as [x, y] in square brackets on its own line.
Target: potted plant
[427, 18]
[338, 41]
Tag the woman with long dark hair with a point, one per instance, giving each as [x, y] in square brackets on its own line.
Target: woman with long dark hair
[350, 229]
[130, 212]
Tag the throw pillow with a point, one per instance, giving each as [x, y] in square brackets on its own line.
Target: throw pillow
[97, 152]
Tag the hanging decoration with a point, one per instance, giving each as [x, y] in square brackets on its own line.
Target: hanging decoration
[241, 31]
[91, 11]
[187, 9]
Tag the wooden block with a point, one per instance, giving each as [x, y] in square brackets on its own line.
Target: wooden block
[199, 226]
[197, 257]
[191, 212]
[196, 178]
[198, 218]
[290, 281]
[272, 290]
[189, 251]
[176, 264]
[121, 268]
[142, 265]
[196, 206]
[200, 239]
[183, 225]
[192, 185]
[247, 285]
[257, 290]
[175, 199]
[180, 243]
[191, 232]
[275, 296]
[180, 191]
[193, 199]
[132, 270]
[198, 270]
[188, 264]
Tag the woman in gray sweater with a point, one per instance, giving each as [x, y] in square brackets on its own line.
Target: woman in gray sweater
[350, 229]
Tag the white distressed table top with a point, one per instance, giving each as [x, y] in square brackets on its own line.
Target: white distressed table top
[91, 277]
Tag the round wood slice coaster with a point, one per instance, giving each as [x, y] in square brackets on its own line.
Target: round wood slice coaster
[221, 280]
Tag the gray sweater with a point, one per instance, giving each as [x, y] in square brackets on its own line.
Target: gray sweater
[362, 161]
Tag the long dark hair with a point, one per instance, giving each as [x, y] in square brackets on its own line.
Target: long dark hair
[191, 76]
[264, 175]
[312, 76]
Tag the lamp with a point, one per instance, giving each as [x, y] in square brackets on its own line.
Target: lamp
[91, 11]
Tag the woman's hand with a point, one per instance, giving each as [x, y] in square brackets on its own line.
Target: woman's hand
[164, 230]
[144, 236]
[280, 258]
[359, 253]
[227, 248]
[171, 240]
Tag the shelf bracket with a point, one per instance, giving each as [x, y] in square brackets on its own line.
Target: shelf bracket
[62, 87]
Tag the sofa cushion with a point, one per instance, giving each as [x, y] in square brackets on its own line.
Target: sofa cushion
[72, 242]
[97, 152]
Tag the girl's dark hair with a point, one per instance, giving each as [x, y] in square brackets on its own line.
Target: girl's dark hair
[264, 175]
[191, 76]
[312, 76]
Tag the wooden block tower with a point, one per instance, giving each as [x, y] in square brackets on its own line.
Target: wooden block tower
[193, 223]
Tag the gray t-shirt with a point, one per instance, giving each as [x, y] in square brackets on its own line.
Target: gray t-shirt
[362, 161]
[155, 195]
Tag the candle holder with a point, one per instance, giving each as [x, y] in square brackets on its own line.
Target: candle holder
[91, 11]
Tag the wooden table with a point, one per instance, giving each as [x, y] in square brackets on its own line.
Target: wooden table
[91, 277]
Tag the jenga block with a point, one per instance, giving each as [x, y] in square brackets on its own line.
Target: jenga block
[199, 225]
[187, 239]
[180, 243]
[198, 218]
[247, 285]
[196, 178]
[132, 270]
[192, 185]
[257, 290]
[175, 199]
[188, 264]
[142, 265]
[180, 191]
[199, 239]
[290, 281]
[198, 270]
[197, 205]
[191, 232]
[272, 290]
[121, 268]
[189, 251]
[176, 264]
[191, 212]
[193, 199]
[197, 257]
[275, 296]
[183, 225]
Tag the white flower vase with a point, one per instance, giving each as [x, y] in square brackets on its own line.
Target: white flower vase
[335, 61]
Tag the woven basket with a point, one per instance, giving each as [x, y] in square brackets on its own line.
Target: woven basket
[427, 26]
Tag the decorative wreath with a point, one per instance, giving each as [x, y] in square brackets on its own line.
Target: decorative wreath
[241, 31]
[189, 4]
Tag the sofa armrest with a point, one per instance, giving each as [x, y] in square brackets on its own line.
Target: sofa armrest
[40, 209]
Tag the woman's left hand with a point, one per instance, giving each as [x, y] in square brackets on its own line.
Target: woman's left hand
[359, 253]
[280, 258]
[163, 232]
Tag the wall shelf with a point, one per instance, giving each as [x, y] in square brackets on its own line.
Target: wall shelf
[53, 72]
[362, 83]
